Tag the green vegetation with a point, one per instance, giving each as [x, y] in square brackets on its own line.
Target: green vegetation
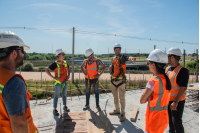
[47, 89]
[28, 67]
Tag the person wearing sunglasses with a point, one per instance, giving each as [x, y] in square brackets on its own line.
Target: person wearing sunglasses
[62, 75]
[179, 77]
[90, 68]
[157, 93]
[15, 112]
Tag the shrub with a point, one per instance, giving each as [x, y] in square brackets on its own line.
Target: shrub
[28, 67]
[42, 67]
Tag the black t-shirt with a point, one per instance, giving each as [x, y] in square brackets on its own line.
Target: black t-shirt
[182, 77]
[124, 58]
[53, 66]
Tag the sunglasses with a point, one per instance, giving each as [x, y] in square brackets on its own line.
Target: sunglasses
[62, 54]
[22, 49]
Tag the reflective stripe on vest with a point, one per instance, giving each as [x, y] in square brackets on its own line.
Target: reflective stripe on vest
[175, 94]
[173, 77]
[95, 67]
[173, 81]
[1, 88]
[157, 107]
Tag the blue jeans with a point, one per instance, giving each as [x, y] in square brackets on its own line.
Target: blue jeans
[58, 88]
[96, 90]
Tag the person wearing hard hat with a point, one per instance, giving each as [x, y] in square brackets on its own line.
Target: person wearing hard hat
[62, 74]
[179, 77]
[157, 93]
[15, 112]
[118, 80]
[91, 66]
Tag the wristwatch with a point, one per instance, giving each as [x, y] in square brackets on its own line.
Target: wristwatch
[175, 101]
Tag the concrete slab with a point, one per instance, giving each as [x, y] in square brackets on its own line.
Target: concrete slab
[46, 122]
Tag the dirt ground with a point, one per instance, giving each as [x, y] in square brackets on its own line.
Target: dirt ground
[37, 76]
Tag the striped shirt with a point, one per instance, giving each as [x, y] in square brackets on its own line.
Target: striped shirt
[89, 62]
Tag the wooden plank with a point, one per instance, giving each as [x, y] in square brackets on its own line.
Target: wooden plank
[74, 116]
[134, 114]
[85, 122]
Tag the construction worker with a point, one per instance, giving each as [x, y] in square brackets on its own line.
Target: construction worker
[15, 112]
[118, 80]
[157, 93]
[91, 66]
[179, 77]
[62, 74]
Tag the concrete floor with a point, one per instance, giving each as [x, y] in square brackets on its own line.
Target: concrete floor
[46, 121]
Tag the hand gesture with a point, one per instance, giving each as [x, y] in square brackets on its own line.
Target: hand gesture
[173, 106]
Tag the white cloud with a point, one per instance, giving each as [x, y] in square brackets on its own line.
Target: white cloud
[47, 5]
[112, 5]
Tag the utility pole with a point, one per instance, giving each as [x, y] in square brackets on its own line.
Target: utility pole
[52, 49]
[154, 46]
[125, 50]
[197, 66]
[73, 54]
[139, 54]
[165, 49]
[184, 57]
[108, 54]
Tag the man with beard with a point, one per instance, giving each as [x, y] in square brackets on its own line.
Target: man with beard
[118, 80]
[15, 113]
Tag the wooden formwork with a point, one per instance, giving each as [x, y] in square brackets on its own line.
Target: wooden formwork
[84, 122]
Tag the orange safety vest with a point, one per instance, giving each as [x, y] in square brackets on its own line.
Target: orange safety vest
[61, 71]
[116, 63]
[157, 120]
[5, 126]
[91, 69]
[175, 87]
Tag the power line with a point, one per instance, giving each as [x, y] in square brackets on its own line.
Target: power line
[95, 33]
[43, 29]
[132, 37]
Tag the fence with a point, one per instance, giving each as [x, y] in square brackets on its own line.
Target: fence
[78, 87]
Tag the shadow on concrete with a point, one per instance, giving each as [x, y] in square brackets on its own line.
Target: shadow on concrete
[65, 124]
[196, 110]
[127, 126]
[100, 122]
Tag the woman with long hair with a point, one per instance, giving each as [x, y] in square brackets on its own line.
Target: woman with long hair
[157, 93]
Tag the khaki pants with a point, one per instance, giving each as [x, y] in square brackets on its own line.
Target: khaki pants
[121, 92]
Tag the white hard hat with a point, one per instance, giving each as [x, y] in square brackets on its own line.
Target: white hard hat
[174, 51]
[88, 52]
[117, 45]
[158, 55]
[8, 39]
[58, 51]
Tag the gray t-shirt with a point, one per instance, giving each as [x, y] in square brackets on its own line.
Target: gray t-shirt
[14, 95]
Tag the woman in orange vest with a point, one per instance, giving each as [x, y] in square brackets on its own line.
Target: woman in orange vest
[62, 74]
[15, 112]
[157, 94]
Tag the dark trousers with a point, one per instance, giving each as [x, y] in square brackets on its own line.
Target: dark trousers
[175, 118]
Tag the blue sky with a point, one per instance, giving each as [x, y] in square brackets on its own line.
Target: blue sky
[172, 20]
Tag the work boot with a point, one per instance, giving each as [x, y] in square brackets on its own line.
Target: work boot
[86, 107]
[114, 112]
[98, 108]
[55, 112]
[122, 118]
[66, 109]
